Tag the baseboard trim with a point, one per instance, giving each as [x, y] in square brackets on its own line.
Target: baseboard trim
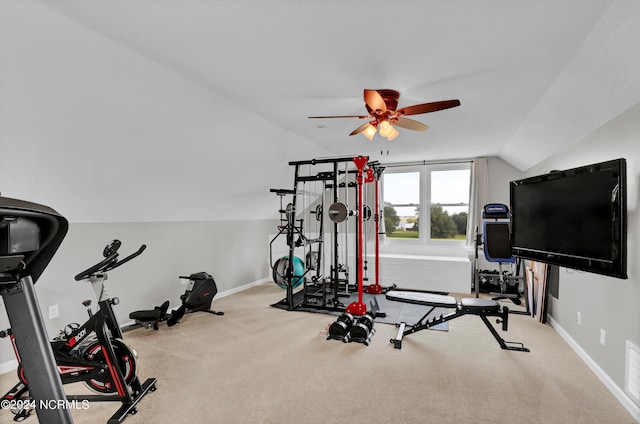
[243, 287]
[623, 398]
[8, 366]
[11, 365]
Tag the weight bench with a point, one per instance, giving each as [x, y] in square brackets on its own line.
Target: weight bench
[466, 306]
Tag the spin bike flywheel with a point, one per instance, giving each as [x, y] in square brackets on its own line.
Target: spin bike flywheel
[126, 357]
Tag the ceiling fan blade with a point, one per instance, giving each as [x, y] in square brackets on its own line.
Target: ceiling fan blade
[428, 107]
[374, 100]
[342, 116]
[410, 124]
[360, 129]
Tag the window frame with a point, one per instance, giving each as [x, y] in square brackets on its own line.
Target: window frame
[406, 170]
[425, 205]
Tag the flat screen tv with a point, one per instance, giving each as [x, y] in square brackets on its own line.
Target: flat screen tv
[575, 218]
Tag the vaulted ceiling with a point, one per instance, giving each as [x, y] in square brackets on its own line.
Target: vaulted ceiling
[533, 77]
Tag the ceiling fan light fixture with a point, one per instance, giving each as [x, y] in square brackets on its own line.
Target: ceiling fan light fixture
[385, 128]
[382, 109]
[369, 132]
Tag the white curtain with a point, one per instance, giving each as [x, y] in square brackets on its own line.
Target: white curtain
[478, 197]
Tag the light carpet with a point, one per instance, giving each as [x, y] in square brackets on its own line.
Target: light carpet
[259, 364]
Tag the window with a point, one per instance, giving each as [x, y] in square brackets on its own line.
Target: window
[426, 199]
[402, 204]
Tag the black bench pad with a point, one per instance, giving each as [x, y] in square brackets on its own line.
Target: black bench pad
[146, 315]
[475, 303]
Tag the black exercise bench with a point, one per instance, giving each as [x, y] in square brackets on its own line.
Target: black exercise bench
[466, 306]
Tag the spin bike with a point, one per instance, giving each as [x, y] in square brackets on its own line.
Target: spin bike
[93, 352]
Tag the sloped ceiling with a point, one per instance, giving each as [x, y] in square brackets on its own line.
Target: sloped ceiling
[215, 95]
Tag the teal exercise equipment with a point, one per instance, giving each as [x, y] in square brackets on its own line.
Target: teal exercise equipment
[281, 267]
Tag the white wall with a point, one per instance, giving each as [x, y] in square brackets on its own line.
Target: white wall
[500, 174]
[94, 112]
[604, 303]
[81, 117]
[233, 252]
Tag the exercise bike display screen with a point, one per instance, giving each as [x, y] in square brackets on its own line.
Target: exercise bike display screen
[574, 218]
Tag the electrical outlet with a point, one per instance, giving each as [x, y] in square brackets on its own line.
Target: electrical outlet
[54, 312]
[579, 318]
[603, 335]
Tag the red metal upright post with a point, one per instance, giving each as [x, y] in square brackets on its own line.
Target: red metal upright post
[359, 307]
[376, 288]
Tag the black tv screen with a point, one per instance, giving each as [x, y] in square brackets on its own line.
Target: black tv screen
[574, 218]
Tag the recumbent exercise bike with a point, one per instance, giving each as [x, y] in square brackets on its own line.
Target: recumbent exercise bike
[93, 352]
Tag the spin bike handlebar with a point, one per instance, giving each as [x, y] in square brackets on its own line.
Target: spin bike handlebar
[97, 267]
[109, 262]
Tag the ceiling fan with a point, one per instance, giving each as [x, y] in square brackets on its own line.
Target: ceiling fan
[382, 104]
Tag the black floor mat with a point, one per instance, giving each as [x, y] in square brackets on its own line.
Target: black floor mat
[395, 312]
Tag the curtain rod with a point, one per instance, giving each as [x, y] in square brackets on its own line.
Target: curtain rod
[426, 162]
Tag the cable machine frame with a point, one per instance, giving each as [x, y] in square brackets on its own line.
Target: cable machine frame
[324, 292]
